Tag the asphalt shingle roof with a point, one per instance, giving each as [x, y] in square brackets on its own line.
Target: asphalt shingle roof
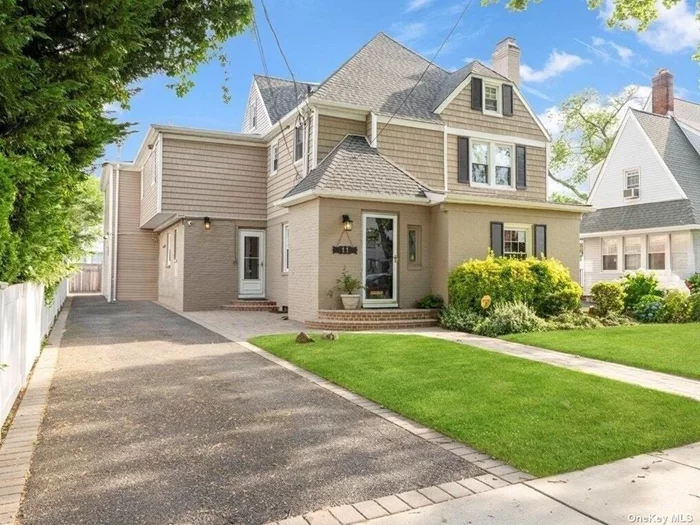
[639, 217]
[355, 167]
[379, 76]
[280, 96]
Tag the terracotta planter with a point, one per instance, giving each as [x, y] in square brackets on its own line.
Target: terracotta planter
[350, 301]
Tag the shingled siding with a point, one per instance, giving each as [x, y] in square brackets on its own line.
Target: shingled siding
[418, 151]
[149, 199]
[288, 174]
[331, 130]
[536, 175]
[262, 124]
[214, 179]
[137, 249]
[459, 114]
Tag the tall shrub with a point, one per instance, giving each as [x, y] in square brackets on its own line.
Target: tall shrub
[639, 285]
[545, 285]
[609, 297]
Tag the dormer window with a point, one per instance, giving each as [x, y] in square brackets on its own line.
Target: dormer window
[632, 179]
[491, 98]
[254, 114]
[298, 143]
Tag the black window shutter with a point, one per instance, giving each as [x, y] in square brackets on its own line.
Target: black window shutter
[463, 160]
[497, 238]
[540, 240]
[507, 100]
[477, 96]
[520, 167]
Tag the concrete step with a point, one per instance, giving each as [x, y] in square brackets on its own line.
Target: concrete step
[355, 326]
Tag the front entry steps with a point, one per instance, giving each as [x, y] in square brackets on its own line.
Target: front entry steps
[373, 319]
[252, 305]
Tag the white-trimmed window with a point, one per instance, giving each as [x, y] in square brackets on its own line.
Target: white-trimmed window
[516, 241]
[633, 253]
[254, 114]
[168, 253]
[504, 165]
[275, 157]
[480, 152]
[298, 143]
[285, 247]
[632, 181]
[492, 99]
[611, 248]
[657, 246]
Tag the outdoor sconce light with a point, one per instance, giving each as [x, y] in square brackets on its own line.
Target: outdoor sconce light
[207, 223]
[347, 223]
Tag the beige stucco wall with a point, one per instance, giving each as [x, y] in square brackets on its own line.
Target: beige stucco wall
[276, 279]
[137, 249]
[413, 281]
[459, 114]
[171, 278]
[304, 256]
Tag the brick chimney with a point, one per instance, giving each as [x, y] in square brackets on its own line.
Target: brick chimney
[662, 92]
[506, 59]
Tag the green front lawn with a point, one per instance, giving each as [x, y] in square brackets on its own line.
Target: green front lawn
[539, 418]
[670, 348]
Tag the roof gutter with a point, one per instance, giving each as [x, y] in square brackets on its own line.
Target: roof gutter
[640, 231]
[314, 194]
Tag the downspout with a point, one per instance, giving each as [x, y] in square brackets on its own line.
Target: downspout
[116, 236]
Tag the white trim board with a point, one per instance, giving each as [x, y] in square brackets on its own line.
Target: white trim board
[641, 231]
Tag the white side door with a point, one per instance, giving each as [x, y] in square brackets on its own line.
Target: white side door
[251, 264]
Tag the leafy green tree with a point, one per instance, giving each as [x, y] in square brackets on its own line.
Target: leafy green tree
[588, 124]
[61, 63]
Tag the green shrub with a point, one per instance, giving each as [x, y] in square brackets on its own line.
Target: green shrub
[514, 317]
[693, 283]
[573, 321]
[617, 320]
[638, 285]
[430, 301]
[676, 307]
[649, 309]
[609, 298]
[694, 306]
[543, 284]
[459, 320]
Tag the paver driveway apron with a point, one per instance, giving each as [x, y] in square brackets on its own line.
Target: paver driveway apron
[154, 419]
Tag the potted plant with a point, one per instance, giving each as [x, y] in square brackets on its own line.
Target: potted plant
[347, 285]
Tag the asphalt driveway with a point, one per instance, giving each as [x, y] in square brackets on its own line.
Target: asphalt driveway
[154, 419]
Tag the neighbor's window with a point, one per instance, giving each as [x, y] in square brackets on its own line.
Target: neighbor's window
[285, 247]
[414, 246]
[633, 253]
[657, 252]
[254, 114]
[504, 163]
[632, 184]
[275, 157]
[491, 98]
[610, 254]
[516, 242]
[298, 143]
[480, 162]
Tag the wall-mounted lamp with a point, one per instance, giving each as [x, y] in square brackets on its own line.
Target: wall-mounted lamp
[207, 223]
[347, 223]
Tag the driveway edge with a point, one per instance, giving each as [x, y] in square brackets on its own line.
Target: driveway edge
[18, 446]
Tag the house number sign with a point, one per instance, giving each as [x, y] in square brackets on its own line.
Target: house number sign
[345, 250]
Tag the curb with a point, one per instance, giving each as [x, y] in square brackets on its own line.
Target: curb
[18, 446]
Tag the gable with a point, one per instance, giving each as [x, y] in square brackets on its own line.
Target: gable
[633, 149]
[458, 113]
[255, 104]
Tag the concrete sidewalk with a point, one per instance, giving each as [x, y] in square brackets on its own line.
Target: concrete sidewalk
[650, 488]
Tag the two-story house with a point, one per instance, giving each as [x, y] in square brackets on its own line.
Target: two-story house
[392, 168]
[647, 194]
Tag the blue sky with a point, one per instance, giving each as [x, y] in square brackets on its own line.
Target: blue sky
[565, 48]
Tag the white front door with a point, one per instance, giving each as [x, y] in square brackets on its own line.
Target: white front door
[379, 260]
[251, 264]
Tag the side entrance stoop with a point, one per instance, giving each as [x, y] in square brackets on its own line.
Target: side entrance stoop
[252, 305]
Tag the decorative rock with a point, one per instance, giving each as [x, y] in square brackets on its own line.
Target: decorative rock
[302, 338]
[329, 336]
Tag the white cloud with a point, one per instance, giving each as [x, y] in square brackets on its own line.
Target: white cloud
[597, 41]
[625, 53]
[675, 30]
[414, 5]
[557, 64]
[409, 32]
[535, 92]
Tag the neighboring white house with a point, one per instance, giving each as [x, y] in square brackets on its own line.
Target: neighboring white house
[647, 195]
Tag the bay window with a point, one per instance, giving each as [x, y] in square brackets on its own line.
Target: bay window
[633, 253]
[656, 252]
[610, 255]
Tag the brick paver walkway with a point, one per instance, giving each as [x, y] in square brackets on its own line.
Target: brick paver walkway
[627, 374]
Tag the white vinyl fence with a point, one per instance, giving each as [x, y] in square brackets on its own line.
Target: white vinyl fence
[24, 322]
